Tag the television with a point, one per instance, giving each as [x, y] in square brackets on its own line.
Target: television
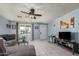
[65, 35]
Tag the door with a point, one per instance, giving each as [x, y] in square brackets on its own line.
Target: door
[25, 33]
[43, 32]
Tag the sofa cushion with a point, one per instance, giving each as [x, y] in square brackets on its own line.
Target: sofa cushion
[8, 37]
[24, 50]
[2, 47]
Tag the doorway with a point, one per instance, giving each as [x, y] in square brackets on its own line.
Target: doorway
[25, 32]
[43, 32]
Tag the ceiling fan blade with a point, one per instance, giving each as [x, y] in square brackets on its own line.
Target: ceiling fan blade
[24, 12]
[37, 14]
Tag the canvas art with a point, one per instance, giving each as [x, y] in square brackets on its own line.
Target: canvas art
[65, 24]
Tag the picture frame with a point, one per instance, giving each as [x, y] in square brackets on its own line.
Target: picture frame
[65, 24]
[8, 26]
[13, 26]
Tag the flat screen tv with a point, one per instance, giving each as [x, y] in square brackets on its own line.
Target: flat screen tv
[65, 35]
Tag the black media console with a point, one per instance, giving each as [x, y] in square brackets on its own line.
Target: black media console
[66, 41]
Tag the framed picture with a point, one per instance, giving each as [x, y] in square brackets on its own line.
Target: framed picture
[72, 22]
[13, 26]
[36, 27]
[8, 26]
[65, 24]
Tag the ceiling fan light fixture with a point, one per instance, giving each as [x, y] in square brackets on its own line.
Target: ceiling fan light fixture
[19, 16]
[31, 13]
[32, 16]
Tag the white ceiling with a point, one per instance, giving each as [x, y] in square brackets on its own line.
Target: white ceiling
[49, 11]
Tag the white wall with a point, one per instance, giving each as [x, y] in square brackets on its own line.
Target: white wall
[54, 26]
[3, 28]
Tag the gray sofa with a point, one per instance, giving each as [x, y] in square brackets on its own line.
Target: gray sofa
[22, 50]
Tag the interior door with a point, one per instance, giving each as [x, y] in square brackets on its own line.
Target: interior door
[43, 32]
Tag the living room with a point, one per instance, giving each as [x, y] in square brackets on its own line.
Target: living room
[30, 30]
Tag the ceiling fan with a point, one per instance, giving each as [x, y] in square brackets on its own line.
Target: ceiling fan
[32, 13]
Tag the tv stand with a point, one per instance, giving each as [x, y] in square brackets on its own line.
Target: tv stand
[70, 45]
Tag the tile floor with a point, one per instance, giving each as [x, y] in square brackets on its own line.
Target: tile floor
[44, 48]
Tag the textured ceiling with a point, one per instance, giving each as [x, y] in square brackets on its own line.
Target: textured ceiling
[49, 11]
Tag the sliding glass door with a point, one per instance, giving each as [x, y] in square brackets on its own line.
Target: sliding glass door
[25, 33]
